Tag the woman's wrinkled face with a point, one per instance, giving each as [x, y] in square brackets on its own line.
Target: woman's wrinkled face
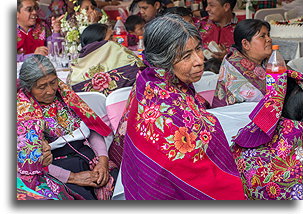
[260, 46]
[45, 89]
[190, 67]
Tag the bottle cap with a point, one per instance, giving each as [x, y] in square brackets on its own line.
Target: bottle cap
[275, 47]
[118, 18]
[140, 37]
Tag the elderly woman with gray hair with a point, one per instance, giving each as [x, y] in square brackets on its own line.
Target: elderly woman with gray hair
[172, 148]
[49, 112]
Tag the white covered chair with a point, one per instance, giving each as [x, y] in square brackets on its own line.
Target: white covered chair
[291, 14]
[96, 101]
[260, 14]
[296, 64]
[233, 117]
[206, 86]
[115, 104]
[274, 17]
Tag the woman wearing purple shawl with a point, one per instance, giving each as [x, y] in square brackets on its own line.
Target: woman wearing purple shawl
[173, 148]
[268, 151]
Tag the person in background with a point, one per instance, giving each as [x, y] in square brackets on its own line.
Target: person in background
[49, 111]
[268, 151]
[148, 9]
[185, 13]
[102, 4]
[33, 33]
[242, 73]
[298, 4]
[172, 148]
[134, 25]
[257, 5]
[218, 26]
[100, 72]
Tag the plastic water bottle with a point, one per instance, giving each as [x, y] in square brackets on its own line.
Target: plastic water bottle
[275, 67]
[140, 47]
[120, 32]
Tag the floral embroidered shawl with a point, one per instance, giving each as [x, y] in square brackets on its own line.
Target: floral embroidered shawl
[173, 148]
[104, 67]
[27, 42]
[30, 134]
[240, 80]
[269, 152]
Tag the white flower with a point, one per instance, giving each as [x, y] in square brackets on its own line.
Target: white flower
[299, 153]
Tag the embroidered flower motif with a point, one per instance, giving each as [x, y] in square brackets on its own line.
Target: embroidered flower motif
[260, 73]
[287, 125]
[22, 107]
[35, 154]
[171, 154]
[149, 92]
[273, 190]
[241, 165]
[154, 137]
[21, 156]
[297, 192]
[32, 135]
[188, 119]
[20, 130]
[163, 94]
[283, 148]
[100, 81]
[205, 136]
[151, 113]
[184, 142]
[247, 64]
[85, 109]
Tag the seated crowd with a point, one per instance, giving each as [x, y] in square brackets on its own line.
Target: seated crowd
[167, 145]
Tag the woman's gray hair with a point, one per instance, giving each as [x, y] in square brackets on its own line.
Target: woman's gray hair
[34, 68]
[165, 38]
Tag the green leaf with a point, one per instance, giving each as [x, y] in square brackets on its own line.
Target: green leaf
[170, 139]
[140, 109]
[179, 156]
[112, 85]
[164, 107]
[286, 175]
[198, 144]
[160, 123]
[268, 177]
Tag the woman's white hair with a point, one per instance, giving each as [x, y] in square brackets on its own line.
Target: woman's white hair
[34, 68]
[165, 38]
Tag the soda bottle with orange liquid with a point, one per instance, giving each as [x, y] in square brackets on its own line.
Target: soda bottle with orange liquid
[274, 68]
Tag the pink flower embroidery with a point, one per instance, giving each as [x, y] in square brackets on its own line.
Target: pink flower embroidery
[287, 126]
[283, 148]
[205, 136]
[188, 119]
[163, 94]
[151, 113]
[247, 64]
[273, 190]
[260, 72]
[101, 81]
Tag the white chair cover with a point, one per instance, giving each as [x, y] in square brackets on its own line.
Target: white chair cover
[275, 17]
[115, 105]
[96, 101]
[260, 14]
[233, 117]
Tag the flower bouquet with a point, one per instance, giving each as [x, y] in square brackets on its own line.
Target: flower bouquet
[73, 27]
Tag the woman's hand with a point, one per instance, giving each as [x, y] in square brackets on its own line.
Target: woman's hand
[56, 24]
[102, 169]
[85, 178]
[47, 156]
